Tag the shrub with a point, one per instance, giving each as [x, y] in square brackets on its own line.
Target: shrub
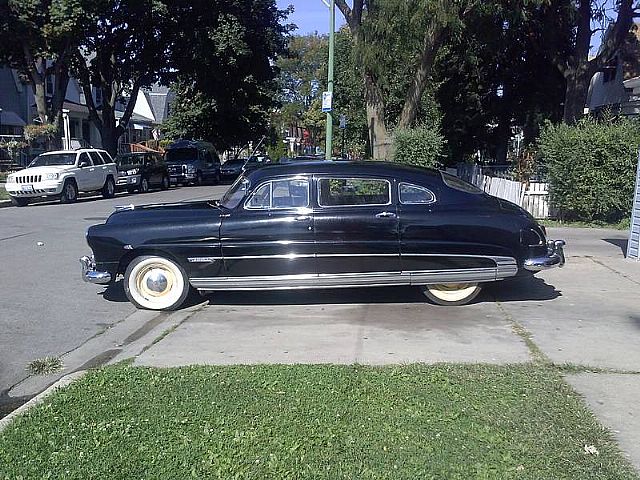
[591, 167]
[421, 146]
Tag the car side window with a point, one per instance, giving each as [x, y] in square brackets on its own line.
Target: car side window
[208, 160]
[84, 158]
[261, 197]
[286, 193]
[97, 159]
[412, 194]
[333, 192]
[105, 157]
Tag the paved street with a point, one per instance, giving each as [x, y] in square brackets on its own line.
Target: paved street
[584, 314]
[45, 307]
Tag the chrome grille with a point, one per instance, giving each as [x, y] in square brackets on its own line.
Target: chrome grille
[29, 179]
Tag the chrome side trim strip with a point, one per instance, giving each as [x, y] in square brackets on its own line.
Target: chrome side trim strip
[346, 280]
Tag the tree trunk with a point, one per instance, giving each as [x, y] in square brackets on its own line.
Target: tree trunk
[109, 131]
[575, 98]
[378, 136]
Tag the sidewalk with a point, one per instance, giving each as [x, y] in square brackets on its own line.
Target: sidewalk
[586, 314]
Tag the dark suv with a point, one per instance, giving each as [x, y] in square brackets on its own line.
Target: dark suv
[140, 171]
[192, 162]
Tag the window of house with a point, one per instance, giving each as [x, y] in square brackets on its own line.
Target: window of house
[333, 192]
[413, 194]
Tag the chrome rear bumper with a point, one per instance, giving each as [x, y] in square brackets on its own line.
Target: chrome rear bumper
[554, 257]
[89, 273]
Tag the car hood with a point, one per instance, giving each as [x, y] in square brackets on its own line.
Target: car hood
[43, 170]
[164, 213]
[125, 167]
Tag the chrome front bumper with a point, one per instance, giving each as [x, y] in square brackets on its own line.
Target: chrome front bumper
[89, 273]
[554, 257]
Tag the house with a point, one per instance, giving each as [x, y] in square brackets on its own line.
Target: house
[617, 87]
[17, 109]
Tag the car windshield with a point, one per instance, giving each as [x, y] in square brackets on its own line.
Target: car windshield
[129, 160]
[54, 159]
[181, 155]
[235, 194]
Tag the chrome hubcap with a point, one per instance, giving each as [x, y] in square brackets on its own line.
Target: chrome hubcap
[156, 281]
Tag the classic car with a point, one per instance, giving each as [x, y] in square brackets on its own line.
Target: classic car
[322, 225]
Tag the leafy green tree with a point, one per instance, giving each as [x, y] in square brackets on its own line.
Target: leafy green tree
[397, 43]
[121, 52]
[38, 38]
[224, 55]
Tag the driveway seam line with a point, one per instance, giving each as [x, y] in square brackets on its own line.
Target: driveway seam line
[626, 277]
[525, 335]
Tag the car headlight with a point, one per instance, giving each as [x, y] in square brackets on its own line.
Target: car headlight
[11, 179]
[191, 168]
[133, 171]
[51, 176]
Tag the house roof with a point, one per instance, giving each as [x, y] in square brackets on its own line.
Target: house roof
[7, 117]
[158, 97]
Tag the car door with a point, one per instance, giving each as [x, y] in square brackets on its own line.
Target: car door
[210, 169]
[356, 226]
[100, 169]
[271, 233]
[435, 237]
[85, 173]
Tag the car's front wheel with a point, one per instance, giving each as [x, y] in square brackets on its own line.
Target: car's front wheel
[165, 183]
[144, 185]
[156, 283]
[451, 294]
[69, 192]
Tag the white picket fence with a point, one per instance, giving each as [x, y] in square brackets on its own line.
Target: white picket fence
[533, 197]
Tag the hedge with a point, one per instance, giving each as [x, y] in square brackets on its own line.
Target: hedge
[591, 168]
[420, 146]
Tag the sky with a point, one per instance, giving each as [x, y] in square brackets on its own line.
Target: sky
[310, 16]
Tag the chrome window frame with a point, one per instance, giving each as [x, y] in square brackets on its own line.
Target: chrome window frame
[419, 187]
[271, 207]
[334, 177]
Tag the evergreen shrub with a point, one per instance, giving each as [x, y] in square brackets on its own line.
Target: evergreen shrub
[591, 167]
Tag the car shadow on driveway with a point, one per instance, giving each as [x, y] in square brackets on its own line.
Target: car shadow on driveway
[514, 290]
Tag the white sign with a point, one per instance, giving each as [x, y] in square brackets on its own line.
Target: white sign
[633, 247]
[327, 101]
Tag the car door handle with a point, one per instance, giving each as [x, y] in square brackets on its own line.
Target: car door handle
[386, 215]
[302, 218]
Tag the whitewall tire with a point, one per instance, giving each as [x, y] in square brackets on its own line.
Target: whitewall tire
[452, 294]
[155, 283]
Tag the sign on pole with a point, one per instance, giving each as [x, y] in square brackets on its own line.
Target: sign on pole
[343, 121]
[327, 101]
[633, 247]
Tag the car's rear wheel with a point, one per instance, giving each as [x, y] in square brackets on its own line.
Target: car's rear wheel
[109, 188]
[156, 283]
[165, 183]
[69, 192]
[452, 294]
[20, 202]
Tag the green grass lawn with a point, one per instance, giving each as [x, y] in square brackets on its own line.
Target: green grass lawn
[320, 422]
[3, 193]
[622, 225]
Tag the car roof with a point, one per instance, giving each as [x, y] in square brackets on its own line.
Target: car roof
[329, 167]
[79, 150]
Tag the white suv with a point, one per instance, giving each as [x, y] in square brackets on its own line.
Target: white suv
[63, 174]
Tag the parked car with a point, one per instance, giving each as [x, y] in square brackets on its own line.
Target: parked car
[255, 161]
[322, 225]
[140, 171]
[62, 174]
[192, 162]
[232, 168]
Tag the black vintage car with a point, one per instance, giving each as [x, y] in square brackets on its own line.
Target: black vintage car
[140, 171]
[322, 225]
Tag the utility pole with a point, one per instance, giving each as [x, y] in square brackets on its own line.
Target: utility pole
[332, 26]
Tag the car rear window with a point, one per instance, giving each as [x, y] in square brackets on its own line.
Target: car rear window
[334, 192]
[459, 184]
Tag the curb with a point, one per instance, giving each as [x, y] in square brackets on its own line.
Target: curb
[63, 382]
[5, 203]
